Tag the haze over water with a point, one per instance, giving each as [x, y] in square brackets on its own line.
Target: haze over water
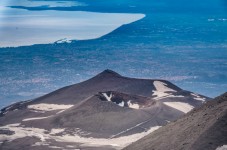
[180, 41]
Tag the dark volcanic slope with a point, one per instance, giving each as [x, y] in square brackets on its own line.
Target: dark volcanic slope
[204, 128]
[107, 111]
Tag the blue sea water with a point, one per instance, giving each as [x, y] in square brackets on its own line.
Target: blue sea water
[179, 40]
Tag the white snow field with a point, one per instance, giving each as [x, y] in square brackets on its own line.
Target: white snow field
[20, 27]
[44, 136]
[162, 91]
[184, 107]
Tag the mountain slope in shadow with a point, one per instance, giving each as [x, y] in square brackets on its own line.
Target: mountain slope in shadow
[202, 128]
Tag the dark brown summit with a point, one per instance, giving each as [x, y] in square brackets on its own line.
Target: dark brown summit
[109, 72]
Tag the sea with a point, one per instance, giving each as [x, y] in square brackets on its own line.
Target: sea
[49, 44]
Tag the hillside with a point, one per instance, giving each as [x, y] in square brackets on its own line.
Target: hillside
[204, 128]
[108, 111]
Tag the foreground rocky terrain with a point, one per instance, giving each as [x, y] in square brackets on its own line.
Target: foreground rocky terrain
[204, 128]
[108, 111]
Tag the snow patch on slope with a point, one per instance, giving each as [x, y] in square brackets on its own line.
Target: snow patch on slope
[197, 97]
[184, 107]
[163, 91]
[162, 87]
[122, 104]
[21, 132]
[56, 131]
[48, 107]
[108, 97]
[44, 135]
[43, 107]
[36, 118]
[224, 147]
[134, 106]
